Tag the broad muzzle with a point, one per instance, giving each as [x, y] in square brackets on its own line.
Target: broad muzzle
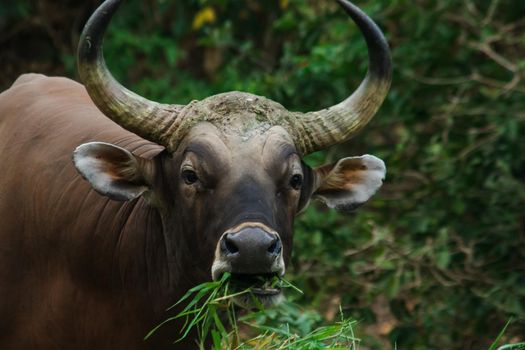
[249, 249]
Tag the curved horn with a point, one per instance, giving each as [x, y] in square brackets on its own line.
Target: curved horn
[318, 130]
[148, 119]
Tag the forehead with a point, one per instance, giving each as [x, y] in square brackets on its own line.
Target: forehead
[238, 128]
[206, 139]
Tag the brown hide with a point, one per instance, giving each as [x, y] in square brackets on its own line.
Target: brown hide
[76, 268]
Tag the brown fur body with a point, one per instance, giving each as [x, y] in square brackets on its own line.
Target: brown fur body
[77, 270]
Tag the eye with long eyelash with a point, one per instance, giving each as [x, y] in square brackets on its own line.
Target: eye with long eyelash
[189, 176]
[296, 181]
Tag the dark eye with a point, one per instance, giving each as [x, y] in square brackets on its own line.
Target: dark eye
[296, 181]
[189, 176]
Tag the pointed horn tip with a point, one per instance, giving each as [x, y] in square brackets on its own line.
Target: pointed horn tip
[90, 43]
[99, 20]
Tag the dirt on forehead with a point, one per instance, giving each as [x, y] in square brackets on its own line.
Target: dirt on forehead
[242, 108]
[239, 113]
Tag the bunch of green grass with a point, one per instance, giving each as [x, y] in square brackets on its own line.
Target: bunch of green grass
[210, 311]
[338, 336]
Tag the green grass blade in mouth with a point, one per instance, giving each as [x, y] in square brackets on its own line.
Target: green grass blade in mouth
[287, 284]
[211, 313]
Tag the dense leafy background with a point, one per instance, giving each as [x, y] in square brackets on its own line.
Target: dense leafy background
[437, 259]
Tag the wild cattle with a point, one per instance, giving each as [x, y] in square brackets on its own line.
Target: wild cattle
[158, 198]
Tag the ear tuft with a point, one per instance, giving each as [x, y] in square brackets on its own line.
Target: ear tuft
[112, 171]
[349, 183]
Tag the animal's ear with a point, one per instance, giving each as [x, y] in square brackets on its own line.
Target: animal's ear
[350, 182]
[112, 171]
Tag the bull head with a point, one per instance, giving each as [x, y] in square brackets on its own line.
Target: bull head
[231, 177]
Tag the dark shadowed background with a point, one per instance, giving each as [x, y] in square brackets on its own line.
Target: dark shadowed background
[437, 259]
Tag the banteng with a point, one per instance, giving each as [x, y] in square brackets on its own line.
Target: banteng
[158, 198]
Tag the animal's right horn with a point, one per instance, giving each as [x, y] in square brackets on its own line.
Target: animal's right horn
[330, 126]
[151, 120]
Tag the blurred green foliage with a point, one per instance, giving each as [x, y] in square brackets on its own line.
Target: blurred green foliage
[437, 259]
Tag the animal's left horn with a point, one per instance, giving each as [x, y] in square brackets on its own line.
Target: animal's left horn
[314, 131]
[151, 120]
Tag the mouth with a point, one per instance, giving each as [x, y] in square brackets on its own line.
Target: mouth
[256, 291]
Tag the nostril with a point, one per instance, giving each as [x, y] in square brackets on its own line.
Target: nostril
[275, 247]
[229, 246]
